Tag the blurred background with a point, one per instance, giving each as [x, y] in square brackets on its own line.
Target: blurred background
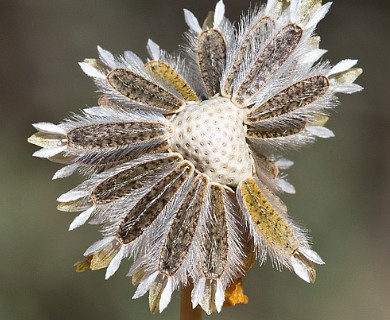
[343, 184]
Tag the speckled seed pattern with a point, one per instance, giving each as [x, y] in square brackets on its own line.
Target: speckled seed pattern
[211, 135]
[215, 246]
[299, 95]
[211, 59]
[142, 215]
[270, 225]
[115, 135]
[269, 62]
[182, 229]
[100, 165]
[126, 181]
[143, 91]
[254, 35]
[294, 126]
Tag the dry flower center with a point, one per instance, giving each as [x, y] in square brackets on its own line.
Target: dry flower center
[211, 135]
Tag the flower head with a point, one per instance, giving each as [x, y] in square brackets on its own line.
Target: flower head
[182, 156]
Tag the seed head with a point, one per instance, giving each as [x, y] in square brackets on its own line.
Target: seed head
[182, 156]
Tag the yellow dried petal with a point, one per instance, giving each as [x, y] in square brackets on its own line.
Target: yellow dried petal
[45, 140]
[234, 294]
[70, 206]
[348, 76]
[209, 21]
[168, 74]
[308, 8]
[281, 5]
[137, 277]
[319, 120]
[154, 297]
[314, 42]
[81, 266]
[103, 258]
[97, 64]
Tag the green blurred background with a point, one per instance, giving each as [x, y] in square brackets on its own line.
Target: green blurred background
[342, 183]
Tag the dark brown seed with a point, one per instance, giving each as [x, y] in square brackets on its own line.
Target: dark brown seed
[268, 62]
[297, 96]
[254, 35]
[211, 59]
[142, 215]
[126, 181]
[100, 164]
[277, 131]
[182, 230]
[142, 91]
[215, 243]
[115, 135]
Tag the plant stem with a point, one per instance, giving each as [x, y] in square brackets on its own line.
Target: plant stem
[186, 310]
